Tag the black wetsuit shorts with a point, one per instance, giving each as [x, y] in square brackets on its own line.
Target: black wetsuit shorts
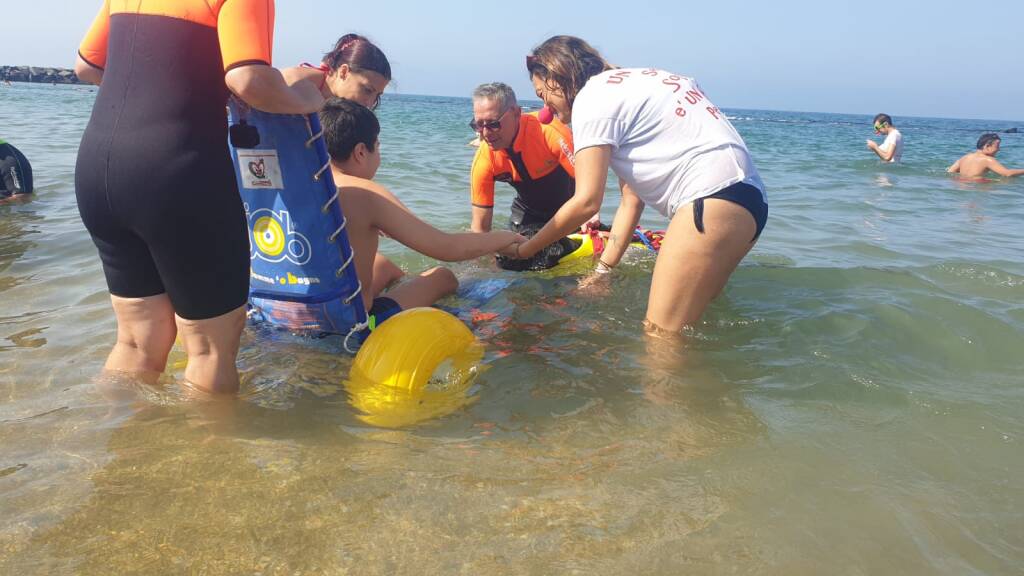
[154, 180]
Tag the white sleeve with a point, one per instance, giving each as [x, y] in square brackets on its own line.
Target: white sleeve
[889, 142]
[594, 123]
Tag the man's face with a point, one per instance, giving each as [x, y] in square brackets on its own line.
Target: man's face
[496, 127]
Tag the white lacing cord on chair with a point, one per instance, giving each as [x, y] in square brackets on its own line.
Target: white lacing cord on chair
[359, 289]
[326, 207]
[340, 271]
[334, 235]
[359, 327]
[316, 177]
[309, 143]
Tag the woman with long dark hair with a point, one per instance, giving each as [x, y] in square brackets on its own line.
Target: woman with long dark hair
[355, 69]
[670, 147]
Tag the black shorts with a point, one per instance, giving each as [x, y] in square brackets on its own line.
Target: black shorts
[178, 228]
[382, 309]
[154, 179]
[740, 193]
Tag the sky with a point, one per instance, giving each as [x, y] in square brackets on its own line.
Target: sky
[936, 58]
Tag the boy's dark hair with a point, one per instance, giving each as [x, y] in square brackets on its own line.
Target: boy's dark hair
[347, 123]
[987, 139]
[884, 119]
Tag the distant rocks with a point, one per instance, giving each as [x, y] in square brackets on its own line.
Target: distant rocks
[38, 74]
[1011, 131]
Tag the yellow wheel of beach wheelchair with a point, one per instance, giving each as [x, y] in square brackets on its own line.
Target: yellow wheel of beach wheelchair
[416, 366]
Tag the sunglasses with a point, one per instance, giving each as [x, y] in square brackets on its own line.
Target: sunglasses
[479, 125]
[878, 127]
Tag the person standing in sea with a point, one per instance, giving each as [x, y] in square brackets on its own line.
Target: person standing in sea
[891, 149]
[533, 157]
[978, 163]
[670, 148]
[154, 180]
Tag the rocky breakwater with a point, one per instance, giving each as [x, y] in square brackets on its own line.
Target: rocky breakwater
[38, 74]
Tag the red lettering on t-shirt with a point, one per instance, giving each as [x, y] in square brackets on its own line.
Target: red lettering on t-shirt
[618, 77]
[694, 96]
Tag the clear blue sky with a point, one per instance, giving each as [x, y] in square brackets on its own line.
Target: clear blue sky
[919, 58]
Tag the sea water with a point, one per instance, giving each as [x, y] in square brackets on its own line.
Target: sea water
[851, 404]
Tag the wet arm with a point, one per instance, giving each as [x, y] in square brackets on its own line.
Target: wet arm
[626, 218]
[998, 168]
[883, 152]
[400, 224]
[955, 168]
[481, 191]
[482, 219]
[87, 72]
[263, 87]
[591, 177]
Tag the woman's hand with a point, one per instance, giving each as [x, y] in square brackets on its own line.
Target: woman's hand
[514, 245]
[595, 285]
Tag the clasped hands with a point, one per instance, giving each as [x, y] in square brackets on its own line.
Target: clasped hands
[513, 250]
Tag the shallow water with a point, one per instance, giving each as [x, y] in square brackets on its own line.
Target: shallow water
[851, 404]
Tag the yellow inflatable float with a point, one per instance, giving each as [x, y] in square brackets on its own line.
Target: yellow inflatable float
[418, 365]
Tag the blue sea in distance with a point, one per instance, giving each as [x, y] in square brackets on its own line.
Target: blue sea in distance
[851, 404]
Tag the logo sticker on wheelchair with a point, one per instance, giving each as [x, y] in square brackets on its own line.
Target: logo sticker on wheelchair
[274, 238]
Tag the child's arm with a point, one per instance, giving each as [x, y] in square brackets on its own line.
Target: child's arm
[395, 220]
[954, 168]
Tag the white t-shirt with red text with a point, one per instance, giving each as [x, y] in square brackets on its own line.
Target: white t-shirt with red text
[670, 144]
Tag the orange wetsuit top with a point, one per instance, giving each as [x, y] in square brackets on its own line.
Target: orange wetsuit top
[244, 29]
[539, 165]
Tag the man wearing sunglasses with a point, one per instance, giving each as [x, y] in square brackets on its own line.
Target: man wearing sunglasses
[891, 148]
[534, 158]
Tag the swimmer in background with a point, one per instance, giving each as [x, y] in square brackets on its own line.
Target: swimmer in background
[977, 164]
[891, 149]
